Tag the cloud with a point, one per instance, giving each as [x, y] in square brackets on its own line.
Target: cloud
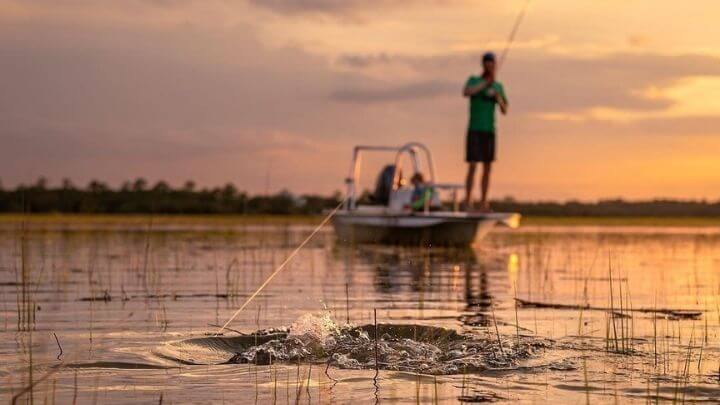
[682, 127]
[189, 89]
[337, 8]
[115, 102]
[179, 79]
[389, 92]
[365, 61]
[545, 82]
[309, 6]
[615, 82]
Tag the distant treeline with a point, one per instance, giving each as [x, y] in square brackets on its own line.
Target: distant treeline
[161, 198]
[613, 208]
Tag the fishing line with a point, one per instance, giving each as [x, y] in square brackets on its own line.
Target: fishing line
[510, 40]
[511, 37]
[282, 266]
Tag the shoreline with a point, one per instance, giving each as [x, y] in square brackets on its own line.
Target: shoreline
[230, 220]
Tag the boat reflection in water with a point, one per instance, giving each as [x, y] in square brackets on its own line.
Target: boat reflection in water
[428, 283]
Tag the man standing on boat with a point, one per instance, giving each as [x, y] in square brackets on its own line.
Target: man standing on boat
[484, 93]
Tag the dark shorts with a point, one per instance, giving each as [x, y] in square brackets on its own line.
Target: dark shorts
[480, 146]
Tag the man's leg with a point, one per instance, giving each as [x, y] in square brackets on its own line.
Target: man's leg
[469, 182]
[487, 166]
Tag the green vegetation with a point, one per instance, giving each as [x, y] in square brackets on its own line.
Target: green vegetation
[138, 198]
[620, 221]
[142, 220]
[225, 220]
[162, 201]
[612, 208]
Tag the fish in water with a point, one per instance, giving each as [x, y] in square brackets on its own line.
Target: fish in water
[317, 339]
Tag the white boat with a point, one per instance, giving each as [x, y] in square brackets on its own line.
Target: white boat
[389, 218]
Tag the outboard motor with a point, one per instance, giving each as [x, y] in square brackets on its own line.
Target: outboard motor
[384, 184]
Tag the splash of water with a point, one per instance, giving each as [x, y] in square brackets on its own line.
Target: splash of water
[314, 326]
[316, 338]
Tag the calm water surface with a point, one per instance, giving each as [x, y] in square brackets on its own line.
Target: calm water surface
[613, 314]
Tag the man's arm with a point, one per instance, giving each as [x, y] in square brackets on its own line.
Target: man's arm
[470, 91]
[502, 103]
[501, 100]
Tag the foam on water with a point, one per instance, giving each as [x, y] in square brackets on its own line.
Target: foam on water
[314, 326]
[316, 338]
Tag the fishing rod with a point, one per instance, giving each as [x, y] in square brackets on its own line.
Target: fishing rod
[513, 32]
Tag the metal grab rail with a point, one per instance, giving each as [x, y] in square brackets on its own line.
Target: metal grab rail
[454, 187]
[410, 148]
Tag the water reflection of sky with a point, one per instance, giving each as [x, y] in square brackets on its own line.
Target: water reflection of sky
[112, 296]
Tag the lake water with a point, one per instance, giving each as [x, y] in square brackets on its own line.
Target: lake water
[113, 314]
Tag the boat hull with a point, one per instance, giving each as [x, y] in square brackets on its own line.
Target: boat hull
[411, 230]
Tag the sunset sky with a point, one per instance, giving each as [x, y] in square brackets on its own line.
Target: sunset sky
[607, 98]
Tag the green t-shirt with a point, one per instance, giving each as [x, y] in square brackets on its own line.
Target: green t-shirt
[482, 105]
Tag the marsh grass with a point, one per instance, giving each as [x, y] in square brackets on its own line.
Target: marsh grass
[497, 331]
[26, 306]
[236, 267]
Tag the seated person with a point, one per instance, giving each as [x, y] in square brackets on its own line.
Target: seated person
[422, 193]
[384, 184]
